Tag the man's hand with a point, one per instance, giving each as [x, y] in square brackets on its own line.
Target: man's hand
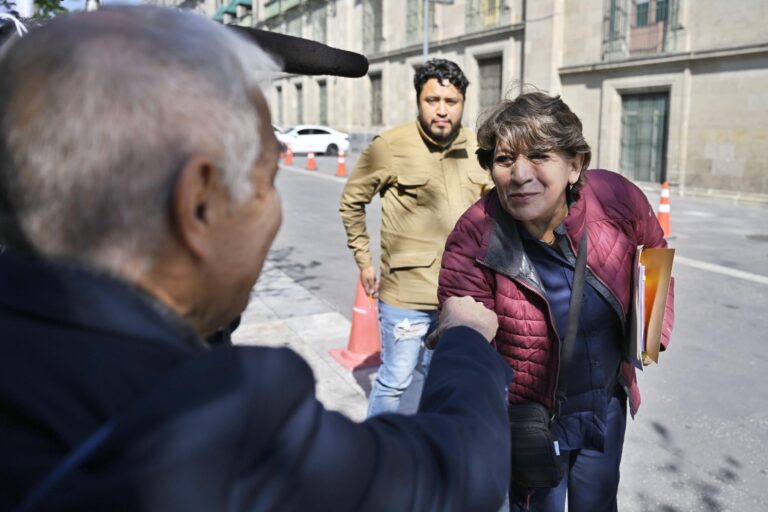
[467, 312]
[370, 283]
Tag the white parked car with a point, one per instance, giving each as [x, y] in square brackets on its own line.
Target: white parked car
[319, 139]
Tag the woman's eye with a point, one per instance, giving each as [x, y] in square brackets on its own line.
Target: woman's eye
[538, 157]
[504, 161]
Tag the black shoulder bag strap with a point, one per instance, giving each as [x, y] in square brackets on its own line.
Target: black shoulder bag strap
[577, 293]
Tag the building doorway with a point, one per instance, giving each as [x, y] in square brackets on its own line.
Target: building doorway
[644, 136]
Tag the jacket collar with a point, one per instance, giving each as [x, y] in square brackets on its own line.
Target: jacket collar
[459, 142]
[505, 253]
[68, 294]
[576, 219]
[505, 248]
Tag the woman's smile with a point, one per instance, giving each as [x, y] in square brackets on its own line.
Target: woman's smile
[522, 197]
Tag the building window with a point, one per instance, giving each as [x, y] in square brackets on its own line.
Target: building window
[644, 136]
[616, 19]
[299, 104]
[373, 26]
[615, 30]
[414, 21]
[279, 109]
[377, 118]
[483, 14]
[490, 81]
[649, 30]
[320, 25]
[641, 13]
[323, 102]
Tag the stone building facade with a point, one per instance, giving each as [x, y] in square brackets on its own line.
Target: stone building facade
[668, 90]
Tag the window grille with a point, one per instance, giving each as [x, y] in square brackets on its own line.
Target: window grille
[323, 100]
[279, 100]
[320, 25]
[373, 23]
[490, 81]
[482, 14]
[376, 101]
[414, 21]
[615, 25]
[644, 136]
[299, 104]
[641, 13]
[633, 28]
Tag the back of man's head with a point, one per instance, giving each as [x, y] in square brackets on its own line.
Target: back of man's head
[98, 114]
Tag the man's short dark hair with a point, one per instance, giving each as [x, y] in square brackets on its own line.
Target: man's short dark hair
[441, 69]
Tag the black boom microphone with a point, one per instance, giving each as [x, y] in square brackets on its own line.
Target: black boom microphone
[305, 57]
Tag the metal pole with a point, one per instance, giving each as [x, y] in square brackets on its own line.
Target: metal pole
[426, 30]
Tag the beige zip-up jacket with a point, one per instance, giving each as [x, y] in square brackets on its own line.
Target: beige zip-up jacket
[424, 188]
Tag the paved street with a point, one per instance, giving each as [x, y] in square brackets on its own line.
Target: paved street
[701, 438]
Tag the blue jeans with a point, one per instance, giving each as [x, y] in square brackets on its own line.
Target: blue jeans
[403, 332]
[591, 480]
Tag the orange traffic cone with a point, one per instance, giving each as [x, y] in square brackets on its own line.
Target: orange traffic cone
[364, 346]
[288, 156]
[311, 164]
[664, 210]
[341, 168]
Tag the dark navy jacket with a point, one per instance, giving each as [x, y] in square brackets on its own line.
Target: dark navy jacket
[230, 428]
[593, 371]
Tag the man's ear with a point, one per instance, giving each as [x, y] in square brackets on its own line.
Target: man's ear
[195, 204]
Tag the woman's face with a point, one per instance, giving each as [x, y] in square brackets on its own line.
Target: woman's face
[531, 187]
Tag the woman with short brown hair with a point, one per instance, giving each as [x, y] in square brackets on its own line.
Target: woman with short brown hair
[515, 250]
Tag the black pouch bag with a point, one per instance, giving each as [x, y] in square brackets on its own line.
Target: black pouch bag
[536, 460]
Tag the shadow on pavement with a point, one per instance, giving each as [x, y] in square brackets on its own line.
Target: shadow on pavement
[707, 493]
[299, 272]
[364, 377]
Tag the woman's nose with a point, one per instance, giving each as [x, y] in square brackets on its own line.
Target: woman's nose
[522, 170]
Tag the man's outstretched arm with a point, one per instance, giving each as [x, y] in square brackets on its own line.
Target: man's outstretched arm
[451, 456]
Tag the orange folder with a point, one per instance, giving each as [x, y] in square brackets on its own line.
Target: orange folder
[653, 272]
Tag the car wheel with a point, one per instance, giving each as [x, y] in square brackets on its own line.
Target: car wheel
[332, 150]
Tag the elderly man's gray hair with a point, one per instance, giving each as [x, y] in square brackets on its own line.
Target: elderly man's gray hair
[98, 114]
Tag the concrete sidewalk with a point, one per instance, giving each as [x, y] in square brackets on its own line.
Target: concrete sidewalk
[283, 313]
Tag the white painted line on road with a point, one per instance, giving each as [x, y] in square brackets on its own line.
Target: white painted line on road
[696, 213]
[314, 174]
[719, 269]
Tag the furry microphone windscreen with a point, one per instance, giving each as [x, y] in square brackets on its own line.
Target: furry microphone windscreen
[306, 57]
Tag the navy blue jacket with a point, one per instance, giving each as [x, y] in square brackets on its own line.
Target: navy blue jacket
[229, 428]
